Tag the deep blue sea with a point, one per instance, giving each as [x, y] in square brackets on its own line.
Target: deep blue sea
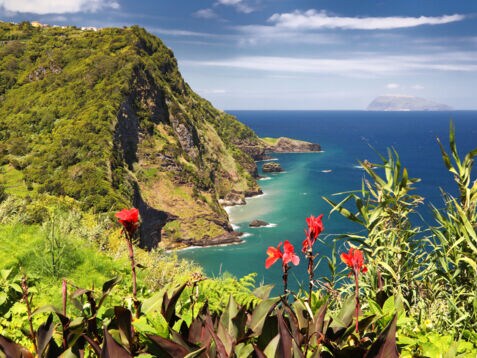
[346, 137]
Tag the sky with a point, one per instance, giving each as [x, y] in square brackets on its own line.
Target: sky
[297, 54]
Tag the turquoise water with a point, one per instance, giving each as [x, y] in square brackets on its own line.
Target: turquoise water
[346, 137]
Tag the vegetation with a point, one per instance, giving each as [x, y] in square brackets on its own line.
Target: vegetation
[73, 285]
[418, 304]
[143, 130]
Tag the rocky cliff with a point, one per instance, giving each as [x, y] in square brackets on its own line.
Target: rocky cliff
[114, 124]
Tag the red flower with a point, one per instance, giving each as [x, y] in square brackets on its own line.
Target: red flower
[288, 255]
[355, 261]
[315, 227]
[129, 219]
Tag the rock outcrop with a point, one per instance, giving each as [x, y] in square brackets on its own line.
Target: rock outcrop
[272, 167]
[257, 223]
[288, 145]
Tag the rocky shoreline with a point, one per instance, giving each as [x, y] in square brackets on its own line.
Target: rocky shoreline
[231, 238]
[233, 198]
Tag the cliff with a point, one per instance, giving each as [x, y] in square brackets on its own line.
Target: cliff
[405, 103]
[105, 118]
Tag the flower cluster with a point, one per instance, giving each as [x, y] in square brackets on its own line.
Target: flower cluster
[354, 259]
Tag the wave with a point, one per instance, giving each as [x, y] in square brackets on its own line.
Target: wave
[265, 178]
[235, 227]
[266, 160]
[246, 234]
[256, 196]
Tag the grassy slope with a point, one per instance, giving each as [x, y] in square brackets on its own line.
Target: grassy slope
[57, 83]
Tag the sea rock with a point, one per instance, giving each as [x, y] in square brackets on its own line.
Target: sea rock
[258, 223]
[272, 167]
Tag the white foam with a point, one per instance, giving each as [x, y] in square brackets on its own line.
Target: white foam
[235, 227]
[265, 178]
[256, 196]
[246, 234]
[271, 225]
[267, 160]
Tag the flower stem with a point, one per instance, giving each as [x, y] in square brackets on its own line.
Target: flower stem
[26, 299]
[356, 295]
[137, 306]
[311, 273]
[285, 278]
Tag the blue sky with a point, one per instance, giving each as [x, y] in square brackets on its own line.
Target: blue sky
[283, 54]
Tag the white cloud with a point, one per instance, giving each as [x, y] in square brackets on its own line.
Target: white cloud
[205, 14]
[239, 5]
[417, 87]
[179, 32]
[211, 91]
[313, 19]
[366, 65]
[259, 34]
[57, 6]
[392, 86]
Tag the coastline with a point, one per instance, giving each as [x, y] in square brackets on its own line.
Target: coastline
[236, 237]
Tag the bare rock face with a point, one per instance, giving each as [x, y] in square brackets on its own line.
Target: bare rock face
[233, 198]
[272, 167]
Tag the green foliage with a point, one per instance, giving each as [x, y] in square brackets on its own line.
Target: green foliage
[433, 270]
[454, 246]
[10, 289]
[396, 249]
[139, 124]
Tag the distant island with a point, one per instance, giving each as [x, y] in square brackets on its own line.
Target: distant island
[405, 103]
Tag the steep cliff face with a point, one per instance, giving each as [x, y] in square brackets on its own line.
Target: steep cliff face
[123, 128]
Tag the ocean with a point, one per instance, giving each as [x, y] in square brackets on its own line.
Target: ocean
[291, 196]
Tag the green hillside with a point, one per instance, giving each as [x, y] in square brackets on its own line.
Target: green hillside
[106, 119]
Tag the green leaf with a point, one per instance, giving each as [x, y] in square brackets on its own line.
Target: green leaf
[3, 298]
[196, 353]
[263, 292]
[385, 345]
[243, 350]
[271, 349]
[153, 303]
[260, 314]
